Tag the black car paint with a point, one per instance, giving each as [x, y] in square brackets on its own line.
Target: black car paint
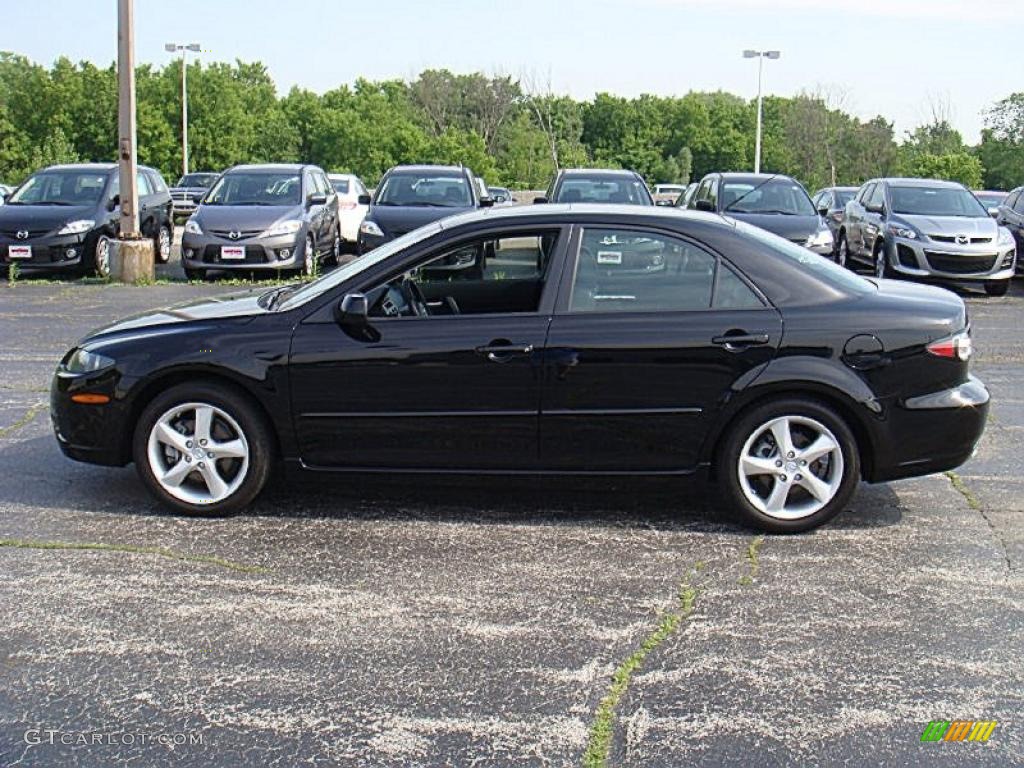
[154, 212]
[635, 393]
[1011, 216]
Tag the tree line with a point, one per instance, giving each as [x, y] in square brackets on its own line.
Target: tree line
[512, 131]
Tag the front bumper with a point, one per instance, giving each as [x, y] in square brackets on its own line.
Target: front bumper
[946, 261]
[930, 433]
[204, 252]
[48, 252]
[92, 433]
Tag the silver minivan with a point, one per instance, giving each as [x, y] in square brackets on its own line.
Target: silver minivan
[925, 228]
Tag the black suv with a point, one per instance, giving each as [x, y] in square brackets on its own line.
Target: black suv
[410, 196]
[597, 185]
[65, 217]
[189, 190]
[1011, 216]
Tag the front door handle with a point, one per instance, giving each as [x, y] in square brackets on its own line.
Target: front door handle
[502, 351]
[734, 341]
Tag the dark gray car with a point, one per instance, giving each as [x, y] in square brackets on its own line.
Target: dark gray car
[186, 194]
[831, 202]
[263, 217]
[926, 228]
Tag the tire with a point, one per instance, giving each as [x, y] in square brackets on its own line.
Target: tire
[336, 247]
[310, 257]
[997, 287]
[881, 265]
[843, 251]
[194, 274]
[162, 244]
[100, 266]
[751, 494]
[236, 431]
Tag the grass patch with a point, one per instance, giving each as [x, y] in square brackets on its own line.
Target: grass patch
[602, 729]
[961, 487]
[752, 553]
[135, 550]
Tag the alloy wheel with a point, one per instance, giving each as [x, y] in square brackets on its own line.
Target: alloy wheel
[843, 252]
[309, 263]
[198, 453]
[790, 467]
[103, 256]
[164, 245]
[880, 265]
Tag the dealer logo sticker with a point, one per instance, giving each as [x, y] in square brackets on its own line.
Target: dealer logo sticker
[958, 730]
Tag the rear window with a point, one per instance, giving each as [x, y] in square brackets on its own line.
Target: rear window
[602, 190]
[340, 186]
[825, 270]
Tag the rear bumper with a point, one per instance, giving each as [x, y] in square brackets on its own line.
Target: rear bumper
[931, 433]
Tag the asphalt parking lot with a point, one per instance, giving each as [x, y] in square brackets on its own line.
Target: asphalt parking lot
[394, 622]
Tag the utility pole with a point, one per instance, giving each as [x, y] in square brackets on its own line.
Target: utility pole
[134, 262]
[760, 56]
[173, 48]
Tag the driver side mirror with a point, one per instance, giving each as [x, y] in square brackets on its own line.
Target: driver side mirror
[539, 200]
[486, 202]
[113, 203]
[875, 208]
[317, 198]
[705, 205]
[823, 210]
[364, 200]
[353, 311]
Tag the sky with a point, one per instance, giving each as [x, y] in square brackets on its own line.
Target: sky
[897, 58]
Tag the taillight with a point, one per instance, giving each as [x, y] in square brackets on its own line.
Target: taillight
[956, 347]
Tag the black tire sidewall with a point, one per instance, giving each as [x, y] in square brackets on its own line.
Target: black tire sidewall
[237, 405]
[740, 430]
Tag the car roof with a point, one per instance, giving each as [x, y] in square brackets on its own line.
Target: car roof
[341, 176]
[609, 210]
[753, 177]
[453, 169]
[269, 167]
[89, 166]
[598, 171]
[908, 182]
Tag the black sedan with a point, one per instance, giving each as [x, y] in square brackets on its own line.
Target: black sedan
[785, 377]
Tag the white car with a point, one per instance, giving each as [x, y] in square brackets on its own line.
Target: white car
[350, 212]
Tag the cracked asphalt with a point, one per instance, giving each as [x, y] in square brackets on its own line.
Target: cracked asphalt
[429, 622]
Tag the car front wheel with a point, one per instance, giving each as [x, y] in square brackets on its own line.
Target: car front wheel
[202, 450]
[789, 466]
[162, 244]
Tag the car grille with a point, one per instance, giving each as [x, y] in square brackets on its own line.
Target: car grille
[254, 254]
[952, 239]
[13, 233]
[960, 265]
[182, 196]
[243, 234]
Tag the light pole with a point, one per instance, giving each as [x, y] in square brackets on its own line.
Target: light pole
[760, 56]
[174, 48]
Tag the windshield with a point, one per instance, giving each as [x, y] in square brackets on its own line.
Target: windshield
[256, 188]
[783, 196]
[843, 196]
[303, 292]
[824, 269]
[203, 180]
[991, 199]
[410, 188]
[72, 187]
[597, 189]
[935, 201]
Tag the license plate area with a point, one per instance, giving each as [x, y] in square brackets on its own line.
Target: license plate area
[19, 251]
[232, 253]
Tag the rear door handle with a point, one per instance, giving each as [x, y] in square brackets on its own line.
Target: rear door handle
[737, 341]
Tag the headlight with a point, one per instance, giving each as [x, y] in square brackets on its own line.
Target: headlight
[820, 239]
[289, 227]
[370, 228]
[82, 361]
[1005, 236]
[192, 227]
[899, 230]
[77, 227]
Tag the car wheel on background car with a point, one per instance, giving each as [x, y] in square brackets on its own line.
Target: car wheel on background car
[336, 249]
[843, 251]
[162, 244]
[881, 263]
[788, 466]
[101, 256]
[309, 258]
[202, 449]
[997, 287]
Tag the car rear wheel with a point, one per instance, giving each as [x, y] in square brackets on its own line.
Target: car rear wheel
[789, 466]
[310, 258]
[202, 449]
[997, 287]
[101, 256]
[843, 251]
[162, 244]
[882, 268]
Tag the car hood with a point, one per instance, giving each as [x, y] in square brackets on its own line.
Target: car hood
[395, 220]
[242, 217]
[36, 217]
[244, 304]
[951, 225]
[794, 228]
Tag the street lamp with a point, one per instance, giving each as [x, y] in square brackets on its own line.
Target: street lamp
[760, 56]
[174, 48]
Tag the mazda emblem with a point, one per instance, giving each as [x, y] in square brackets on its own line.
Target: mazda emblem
[962, 239]
[234, 235]
[22, 234]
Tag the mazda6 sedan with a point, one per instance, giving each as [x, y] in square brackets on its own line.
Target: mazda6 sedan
[526, 341]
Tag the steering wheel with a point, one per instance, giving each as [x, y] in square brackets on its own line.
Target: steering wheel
[414, 297]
